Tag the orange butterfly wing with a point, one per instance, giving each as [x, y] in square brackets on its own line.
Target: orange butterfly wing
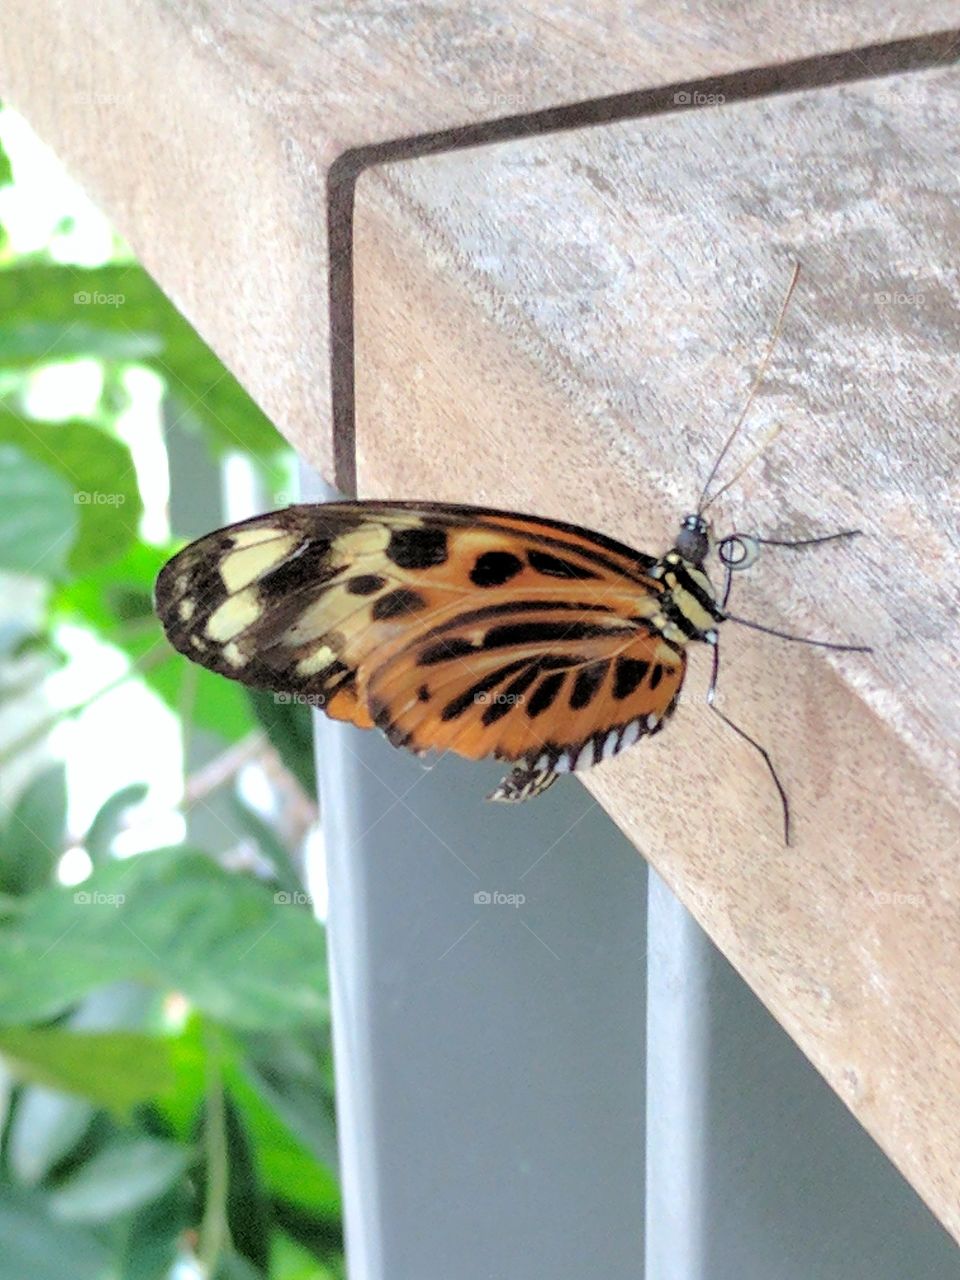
[559, 689]
[454, 628]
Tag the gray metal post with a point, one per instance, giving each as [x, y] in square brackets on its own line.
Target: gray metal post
[755, 1168]
[489, 1052]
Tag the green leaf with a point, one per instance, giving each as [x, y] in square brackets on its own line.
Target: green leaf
[287, 1072]
[114, 1069]
[287, 1166]
[201, 697]
[174, 920]
[233, 1266]
[30, 342]
[32, 841]
[288, 1261]
[45, 1127]
[37, 1247]
[16, 635]
[120, 1177]
[109, 821]
[6, 169]
[100, 470]
[247, 1210]
[119, 300]
[38, 519]
[289, 726]
[110, 597]
[269, 843]
[323, 1238]
[181, 1108]
[150, 1249]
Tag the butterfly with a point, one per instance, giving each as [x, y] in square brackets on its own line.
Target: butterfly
[466, 629]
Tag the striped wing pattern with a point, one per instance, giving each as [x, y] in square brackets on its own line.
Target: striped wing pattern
[466, 629]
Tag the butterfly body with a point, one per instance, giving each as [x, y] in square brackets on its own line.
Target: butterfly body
[457, 628]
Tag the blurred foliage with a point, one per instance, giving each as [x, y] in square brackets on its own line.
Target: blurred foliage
[116, 312]
[166, 1090]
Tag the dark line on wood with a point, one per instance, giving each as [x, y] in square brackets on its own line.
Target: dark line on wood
[847, 66]
[341, 191]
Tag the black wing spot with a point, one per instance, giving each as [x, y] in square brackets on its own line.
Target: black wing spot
[396, 604]
[445, 651]
[656, 676]
[500, 706]
[517, 688]
[336, 675]
[516, 633]
[555, 567]
[628, 675]
[545, 694]
[417, 548]
[479, 691]
[365, 584]
[309, 566]
[504, 702]
[585, 687]
[423, 693]
[380, 714]
[206, 589]
[494, 568]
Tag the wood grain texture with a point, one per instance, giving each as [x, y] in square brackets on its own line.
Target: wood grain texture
[568, 326]
[207, 130]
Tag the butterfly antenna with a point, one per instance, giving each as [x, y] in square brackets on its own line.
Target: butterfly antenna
[704, 501]
[764, 444]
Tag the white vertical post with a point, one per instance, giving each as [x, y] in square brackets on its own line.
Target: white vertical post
[677, 1048]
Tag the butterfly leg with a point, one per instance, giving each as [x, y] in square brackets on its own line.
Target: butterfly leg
[800, 543]
[523, 783]
[711, 703]
[736, 553]
[740, 550]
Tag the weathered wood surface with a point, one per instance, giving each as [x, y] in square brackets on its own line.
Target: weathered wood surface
[568, 325]
[207, 130]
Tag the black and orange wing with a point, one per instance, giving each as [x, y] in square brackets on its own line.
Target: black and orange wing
[476, 631]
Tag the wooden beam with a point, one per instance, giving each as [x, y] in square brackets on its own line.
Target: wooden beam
[210, 132]
[568, 325]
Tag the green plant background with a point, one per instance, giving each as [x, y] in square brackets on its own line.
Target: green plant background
[166, 1093]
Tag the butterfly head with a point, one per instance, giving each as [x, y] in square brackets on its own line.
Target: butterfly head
[694, 539]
